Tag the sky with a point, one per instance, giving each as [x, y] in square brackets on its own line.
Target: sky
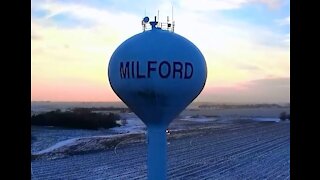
[246, 45]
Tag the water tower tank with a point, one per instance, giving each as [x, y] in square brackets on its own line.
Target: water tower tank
[157, 73]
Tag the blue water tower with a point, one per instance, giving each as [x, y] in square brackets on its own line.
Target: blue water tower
[157, 74]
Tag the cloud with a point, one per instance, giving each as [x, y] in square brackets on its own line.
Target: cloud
[284, 21]
[286, 40]
[269, 83]
[35, 36]
[273, 4]
[211, 5]
[34, 33]
[268, 90]
[83, 12]
[217, 5]
[248, 67]
[286, 37]
[235, 51]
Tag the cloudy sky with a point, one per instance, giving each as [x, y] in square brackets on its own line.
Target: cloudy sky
[246, 44]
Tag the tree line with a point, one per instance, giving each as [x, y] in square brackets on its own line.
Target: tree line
[79, 119]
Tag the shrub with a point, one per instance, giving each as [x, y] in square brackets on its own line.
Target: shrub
[283, 116]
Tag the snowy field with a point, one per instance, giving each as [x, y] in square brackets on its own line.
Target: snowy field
[46, 137]
[246, 143]
[238, 150]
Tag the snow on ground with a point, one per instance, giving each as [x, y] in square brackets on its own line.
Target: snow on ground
[51, 138]
[240, 150]
[45, 137]
[130, 124]
[83, 145]
[267, 119]
[58, 145]
[198, 118]
[238, 112]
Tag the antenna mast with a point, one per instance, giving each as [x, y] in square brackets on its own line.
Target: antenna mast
[156, 24]
[172, 19]
[172, 12]
[159, 18]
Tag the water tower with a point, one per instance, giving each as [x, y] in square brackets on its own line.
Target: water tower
[157, 74]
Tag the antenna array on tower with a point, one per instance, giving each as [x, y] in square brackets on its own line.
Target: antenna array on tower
[168, 25]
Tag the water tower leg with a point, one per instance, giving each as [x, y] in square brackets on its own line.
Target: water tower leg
[157, 153]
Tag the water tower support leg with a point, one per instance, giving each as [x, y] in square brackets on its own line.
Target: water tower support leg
[157, 153]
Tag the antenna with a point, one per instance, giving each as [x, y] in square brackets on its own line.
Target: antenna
[172, 12]
[172, 19]
[158, 16]
[156, 24]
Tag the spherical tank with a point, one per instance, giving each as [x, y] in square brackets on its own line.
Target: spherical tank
[157, 74]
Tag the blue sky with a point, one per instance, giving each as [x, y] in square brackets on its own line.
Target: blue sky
[243, 41]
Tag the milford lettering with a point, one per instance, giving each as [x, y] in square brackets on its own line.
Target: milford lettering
[163, 69]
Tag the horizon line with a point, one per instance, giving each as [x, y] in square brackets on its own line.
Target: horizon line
[217, 102]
